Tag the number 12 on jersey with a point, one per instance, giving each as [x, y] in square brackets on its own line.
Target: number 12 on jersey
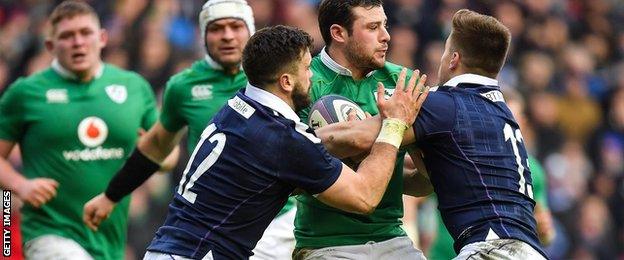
[210, 135]
[516, 138]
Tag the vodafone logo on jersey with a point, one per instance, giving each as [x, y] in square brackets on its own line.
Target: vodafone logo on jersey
[92, 131]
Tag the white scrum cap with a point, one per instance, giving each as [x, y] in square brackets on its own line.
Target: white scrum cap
[219, 9]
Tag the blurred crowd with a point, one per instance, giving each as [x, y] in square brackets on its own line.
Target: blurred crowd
[566, 60]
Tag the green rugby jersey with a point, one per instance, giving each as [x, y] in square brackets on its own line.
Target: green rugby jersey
[318, 225]
[79, 134]
[193, 96]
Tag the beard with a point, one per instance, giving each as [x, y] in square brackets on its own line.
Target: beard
[356, 54]
[300, 97]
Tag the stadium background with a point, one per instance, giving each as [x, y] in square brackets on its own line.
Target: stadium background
[566, 60]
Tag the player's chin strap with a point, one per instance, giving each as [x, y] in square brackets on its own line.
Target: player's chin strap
[392, 131]
[137, 169]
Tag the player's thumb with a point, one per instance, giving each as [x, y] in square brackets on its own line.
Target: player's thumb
[380, 94]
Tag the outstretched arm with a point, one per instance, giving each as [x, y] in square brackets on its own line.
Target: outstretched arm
[350, 138]
[152, 150]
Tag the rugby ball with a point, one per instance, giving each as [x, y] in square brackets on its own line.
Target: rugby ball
[331, 109]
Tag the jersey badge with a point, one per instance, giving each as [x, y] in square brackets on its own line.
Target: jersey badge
[201, 92]
[57, 96]
[241, 107]
[117, 93]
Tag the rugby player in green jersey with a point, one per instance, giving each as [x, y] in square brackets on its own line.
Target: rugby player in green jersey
[351, 65]
[76, 122]
[192, 97]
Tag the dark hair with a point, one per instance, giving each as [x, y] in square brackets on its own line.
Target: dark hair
[70, 9]
[482, 41]
[340, 12]
[273, 50]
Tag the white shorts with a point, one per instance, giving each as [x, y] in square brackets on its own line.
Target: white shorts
[278, 240]
[500, 249]
[150, 255]
[395, 248]
[54, 247]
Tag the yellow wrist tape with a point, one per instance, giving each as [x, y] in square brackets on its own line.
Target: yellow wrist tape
[392, 130]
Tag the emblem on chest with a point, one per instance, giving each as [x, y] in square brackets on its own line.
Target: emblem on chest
[117, 93]
[201, 92]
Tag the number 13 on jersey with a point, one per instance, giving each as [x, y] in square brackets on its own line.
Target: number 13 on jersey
[516, 138]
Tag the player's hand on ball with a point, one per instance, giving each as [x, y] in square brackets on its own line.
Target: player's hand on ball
[97, 210]
[38, 191]
[405, 102]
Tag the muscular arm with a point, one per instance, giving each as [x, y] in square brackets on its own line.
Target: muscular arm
[346, 139]
[158, 143]
[361, 192]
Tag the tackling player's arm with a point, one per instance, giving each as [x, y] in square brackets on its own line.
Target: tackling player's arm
[152, 150]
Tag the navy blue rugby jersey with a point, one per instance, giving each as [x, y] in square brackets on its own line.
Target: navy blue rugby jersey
[250, 158]
[474, 152]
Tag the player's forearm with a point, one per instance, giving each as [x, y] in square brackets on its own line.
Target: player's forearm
[158, 143]
[375, 173]
[154, 146]
[346, 139]
[376, 170]
[10, 179]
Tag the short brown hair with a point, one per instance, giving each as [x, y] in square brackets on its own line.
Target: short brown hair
[273, 50]
[70, 9]
[340, 12]
[482, 41]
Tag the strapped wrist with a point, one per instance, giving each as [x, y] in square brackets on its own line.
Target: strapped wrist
[391, 132]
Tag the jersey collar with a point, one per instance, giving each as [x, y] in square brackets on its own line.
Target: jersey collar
[271, 101]
[65, 73]
[471, 78]
[335, 67]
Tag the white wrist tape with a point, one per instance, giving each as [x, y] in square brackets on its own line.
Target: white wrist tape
[392, 130]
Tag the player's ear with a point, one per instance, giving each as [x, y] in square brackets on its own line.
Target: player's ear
[49, 44]
[103, 37]
[455, 60]
[338, 33]
[286, 82]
